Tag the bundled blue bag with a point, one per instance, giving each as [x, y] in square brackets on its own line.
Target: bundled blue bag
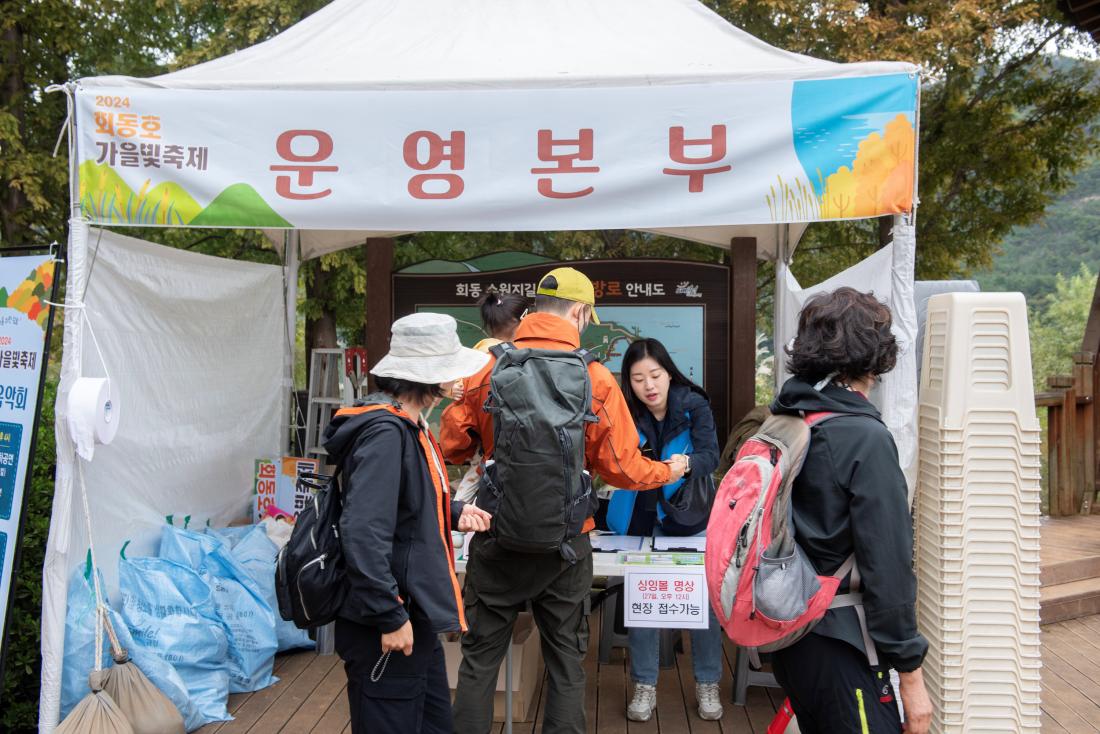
[238, 600]
[79, 656]
[169, 612]
[161, 673]
[255, 551]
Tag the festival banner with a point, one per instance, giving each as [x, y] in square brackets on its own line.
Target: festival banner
[499, 159]
[26, 283]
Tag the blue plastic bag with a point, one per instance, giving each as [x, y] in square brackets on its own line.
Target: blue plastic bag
[257, 554]
[79, 659]
[161, 673]
[239, 601]
[231, 536]
[169, 612]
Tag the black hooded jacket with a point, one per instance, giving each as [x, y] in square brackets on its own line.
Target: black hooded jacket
[851, 496]
[396, 522]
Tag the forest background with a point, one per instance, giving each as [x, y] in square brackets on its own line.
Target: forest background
[1009, 181]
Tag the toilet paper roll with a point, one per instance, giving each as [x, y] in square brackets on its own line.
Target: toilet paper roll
[93, 414]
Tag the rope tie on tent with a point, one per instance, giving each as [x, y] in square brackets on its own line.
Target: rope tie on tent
[100, 606]
[67, 130]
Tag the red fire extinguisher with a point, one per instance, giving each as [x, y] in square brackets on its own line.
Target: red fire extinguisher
[782, 718]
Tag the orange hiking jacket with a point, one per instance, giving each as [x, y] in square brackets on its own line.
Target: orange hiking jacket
[611, 445]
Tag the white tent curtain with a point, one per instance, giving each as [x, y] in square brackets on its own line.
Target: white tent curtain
[888, 273]
[194, 346]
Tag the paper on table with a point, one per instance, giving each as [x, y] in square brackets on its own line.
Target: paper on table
[612, 543]
[679, 543]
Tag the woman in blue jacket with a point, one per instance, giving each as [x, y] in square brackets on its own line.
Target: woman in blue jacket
[673, 417]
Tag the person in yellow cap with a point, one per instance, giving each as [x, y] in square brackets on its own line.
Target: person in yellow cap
[502, 577]
[569, 284]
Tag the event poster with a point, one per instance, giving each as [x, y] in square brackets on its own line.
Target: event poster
[642, 157]
[26, 283]
[276, 485]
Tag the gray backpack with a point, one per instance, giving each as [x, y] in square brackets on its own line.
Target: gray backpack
[535, 484]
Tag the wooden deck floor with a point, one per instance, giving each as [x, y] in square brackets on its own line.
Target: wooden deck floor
[1070, 538]
[311, 696]
[1071, 676]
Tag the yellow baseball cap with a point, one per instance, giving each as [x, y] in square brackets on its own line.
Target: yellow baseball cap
[572, 285]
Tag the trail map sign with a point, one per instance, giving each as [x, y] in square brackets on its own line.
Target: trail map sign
[684, 305]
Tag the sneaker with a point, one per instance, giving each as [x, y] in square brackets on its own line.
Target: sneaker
[710, 702]
[643, 704]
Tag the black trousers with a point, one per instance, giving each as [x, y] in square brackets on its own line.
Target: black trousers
[411, 695]
[499, 583]
[834, 690]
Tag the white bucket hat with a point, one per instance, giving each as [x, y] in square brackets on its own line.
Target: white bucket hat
[424, 347]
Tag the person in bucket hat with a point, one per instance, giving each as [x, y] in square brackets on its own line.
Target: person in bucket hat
[395, 533]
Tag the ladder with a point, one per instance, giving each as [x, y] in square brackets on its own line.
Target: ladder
[327, 393]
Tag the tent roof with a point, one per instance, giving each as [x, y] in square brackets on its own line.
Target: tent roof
[450, 44]
[499, 44]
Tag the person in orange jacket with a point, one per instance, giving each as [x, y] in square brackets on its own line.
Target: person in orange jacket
[499, 582]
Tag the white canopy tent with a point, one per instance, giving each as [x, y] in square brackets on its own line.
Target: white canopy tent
[377, 117]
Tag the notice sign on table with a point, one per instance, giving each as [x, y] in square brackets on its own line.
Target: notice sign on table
[26, 284]
[666, 597]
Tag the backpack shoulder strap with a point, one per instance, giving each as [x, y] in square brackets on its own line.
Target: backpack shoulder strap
[854, 598]
[587, 356]
[498, 350]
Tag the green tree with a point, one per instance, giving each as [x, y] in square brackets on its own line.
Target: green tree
[1004, 120]
[1058, 325]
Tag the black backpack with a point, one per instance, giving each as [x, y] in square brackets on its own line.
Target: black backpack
[310, 580]
[535, 483]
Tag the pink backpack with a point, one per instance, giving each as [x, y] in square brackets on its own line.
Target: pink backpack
[764, 591]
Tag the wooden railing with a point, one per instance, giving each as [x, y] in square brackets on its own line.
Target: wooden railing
[1073, 426]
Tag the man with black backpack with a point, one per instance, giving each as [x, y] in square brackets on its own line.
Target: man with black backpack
[545, 414]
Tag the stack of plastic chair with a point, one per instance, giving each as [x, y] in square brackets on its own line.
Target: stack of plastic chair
[977, 512]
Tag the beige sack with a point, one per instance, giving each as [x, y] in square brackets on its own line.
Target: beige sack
[147, 708]
[97, 713]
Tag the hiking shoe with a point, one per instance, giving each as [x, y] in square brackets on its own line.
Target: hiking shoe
[644, 702]
[710, 702]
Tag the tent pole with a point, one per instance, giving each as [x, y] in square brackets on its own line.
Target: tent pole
[291, 247]
[379, 298]
[781, 265]
[742, 295]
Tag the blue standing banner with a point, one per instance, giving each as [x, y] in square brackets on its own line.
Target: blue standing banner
[27, 285]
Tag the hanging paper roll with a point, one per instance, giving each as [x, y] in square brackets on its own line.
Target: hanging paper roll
[93, 414]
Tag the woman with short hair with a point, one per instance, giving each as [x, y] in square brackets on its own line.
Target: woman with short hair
[851, 498]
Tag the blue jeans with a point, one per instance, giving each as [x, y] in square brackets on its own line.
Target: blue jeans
[706, 653]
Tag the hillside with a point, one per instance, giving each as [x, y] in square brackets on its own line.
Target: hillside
[1032, 257]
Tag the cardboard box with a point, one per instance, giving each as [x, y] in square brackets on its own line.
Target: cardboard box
[526, 670]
